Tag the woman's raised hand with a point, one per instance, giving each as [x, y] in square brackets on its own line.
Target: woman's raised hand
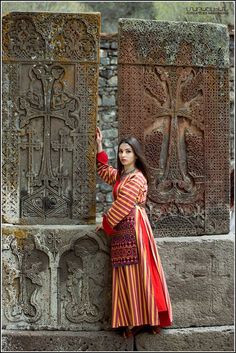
[99, 139]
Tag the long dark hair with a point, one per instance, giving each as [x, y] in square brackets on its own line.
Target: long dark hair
[140, 163]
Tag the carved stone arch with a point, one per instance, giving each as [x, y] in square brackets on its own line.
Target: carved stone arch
[84, 282]
[26, 282]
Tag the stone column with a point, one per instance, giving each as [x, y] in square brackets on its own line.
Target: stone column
[174, 97]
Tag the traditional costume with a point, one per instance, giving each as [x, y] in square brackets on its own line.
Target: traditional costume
[139, 291]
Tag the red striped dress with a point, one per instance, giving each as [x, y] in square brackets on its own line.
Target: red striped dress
[139, 291]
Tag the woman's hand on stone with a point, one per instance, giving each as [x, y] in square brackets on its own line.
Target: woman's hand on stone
[99, 227]
[99, 140]
[98, 136]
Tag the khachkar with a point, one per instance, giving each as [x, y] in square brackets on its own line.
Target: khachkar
[55, 275]
[174, 97]
[50, 83]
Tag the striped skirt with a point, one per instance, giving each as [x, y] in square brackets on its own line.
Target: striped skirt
[139, 292]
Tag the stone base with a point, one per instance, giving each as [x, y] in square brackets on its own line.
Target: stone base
[218, 338]
[210, 339]
[200, 278]
[64, 341]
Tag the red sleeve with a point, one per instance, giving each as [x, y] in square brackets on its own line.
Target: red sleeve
[107, 227]
[107, 173]
[102, 157]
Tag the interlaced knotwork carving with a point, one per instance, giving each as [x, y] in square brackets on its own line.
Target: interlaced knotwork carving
[76, 42]
[177, 108]
[37, 36]
[22, 41]
[217, 169]
[53, 103]
[10, 151]
[153, 143]
[195, 154]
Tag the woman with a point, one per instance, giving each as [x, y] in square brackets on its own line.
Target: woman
[140, 296]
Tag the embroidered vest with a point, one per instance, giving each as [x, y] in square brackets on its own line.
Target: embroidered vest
[124, 244]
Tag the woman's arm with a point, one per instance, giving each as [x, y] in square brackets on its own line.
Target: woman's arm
[106, 172]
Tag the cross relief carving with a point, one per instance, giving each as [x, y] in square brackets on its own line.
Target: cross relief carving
[48, 100]
[172, 108]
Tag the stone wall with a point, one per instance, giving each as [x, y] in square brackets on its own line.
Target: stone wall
[107, 109]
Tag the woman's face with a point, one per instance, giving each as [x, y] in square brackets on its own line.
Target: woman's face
[126, 155]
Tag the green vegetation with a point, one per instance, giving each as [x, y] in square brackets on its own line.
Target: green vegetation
[111, 11]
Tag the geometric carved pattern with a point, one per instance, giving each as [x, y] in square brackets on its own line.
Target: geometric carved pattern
[180, 115]
[51, 70]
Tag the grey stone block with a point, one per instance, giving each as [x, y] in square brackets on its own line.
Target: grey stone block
[200, 277]
[110, 134]
[105, 61]
[112, 81]
[108, 100]
[212, 339]
[114, 45]
[111, 153]
[64, 341]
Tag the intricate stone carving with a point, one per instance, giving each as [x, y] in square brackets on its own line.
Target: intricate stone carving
[217, 155]
[79, 282]
[23, 279]
[79, 307]
[180, 115]
[46, 182]
[55, 278]
[195, 153]
[77, 41]
[53, 117]
[169, 108]
[53, 241]
[22, 40]
[38, 36]
[10, 141]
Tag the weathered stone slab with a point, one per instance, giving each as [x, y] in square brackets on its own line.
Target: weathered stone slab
[202, 339]
[200, 278]
[173, 91]
[55, 277]
[64, 341]
[173, 43]
[50, 85]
